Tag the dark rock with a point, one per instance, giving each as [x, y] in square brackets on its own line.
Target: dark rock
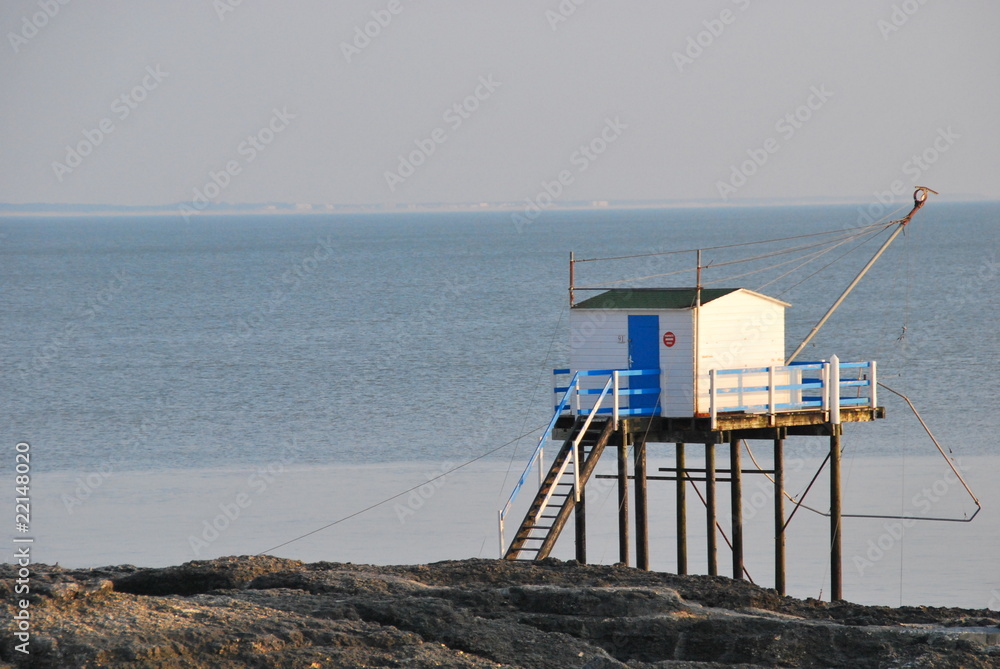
[193, 578]
[268, 612]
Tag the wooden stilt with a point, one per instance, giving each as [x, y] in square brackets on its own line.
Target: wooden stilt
[779, 516]
[682, 557]
[641, 517]
[836, 549]
[736, 507]
[580, 522]
[623, 533]
[713, 550]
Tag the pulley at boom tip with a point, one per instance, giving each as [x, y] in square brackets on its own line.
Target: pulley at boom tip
[919, 198]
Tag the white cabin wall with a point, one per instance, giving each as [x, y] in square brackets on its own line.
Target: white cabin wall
[739, 330]
[677, 364]
[598, 340]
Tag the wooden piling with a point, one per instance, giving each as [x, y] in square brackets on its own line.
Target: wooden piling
[641, 517]
[736, 507]
[623, 533]
[580, 522]
[682, 559]
[836, 549]
[779, 516]
[713, 550]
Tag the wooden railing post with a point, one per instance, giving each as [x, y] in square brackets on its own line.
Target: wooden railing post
[873, 380]
[713, 410]
[614, 410]
[835, 390]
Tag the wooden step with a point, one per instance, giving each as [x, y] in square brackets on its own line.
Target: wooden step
[559, 503]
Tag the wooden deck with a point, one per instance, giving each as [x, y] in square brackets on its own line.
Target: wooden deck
[698, 430]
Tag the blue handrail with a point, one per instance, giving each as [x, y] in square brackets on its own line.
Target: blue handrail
[652, 411]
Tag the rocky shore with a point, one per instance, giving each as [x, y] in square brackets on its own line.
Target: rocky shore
[270, 612]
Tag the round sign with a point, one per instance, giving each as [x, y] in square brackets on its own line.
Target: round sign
[669, 339]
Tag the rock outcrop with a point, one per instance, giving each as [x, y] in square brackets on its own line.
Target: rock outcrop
[270, 612]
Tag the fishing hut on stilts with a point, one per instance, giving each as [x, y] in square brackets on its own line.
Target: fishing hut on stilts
[697, 367]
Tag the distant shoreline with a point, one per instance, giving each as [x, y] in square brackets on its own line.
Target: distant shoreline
[523, 207]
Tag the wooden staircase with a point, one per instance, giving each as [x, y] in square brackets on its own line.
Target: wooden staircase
[556, 497]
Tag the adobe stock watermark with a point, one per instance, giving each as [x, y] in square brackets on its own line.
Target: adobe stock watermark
[34, 23]
[994, 602]
[289, 282]
[419, 496]
[248, 150]
[914, 169]
[899, 17]
[428, 317]
[970, 288]
[49, 351]
[894, 530]
[257, 483]
[223, 7]
[714, 28]
[364, 34]
[786, 126]
[562, 12]
[582, 158]
[454, 116]
[121, 108]
[86, 486]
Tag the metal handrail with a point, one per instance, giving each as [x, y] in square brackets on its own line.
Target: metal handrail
[535, 455]
[576, 454]
[568, 393]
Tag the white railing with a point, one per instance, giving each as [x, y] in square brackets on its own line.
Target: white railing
[795, 387]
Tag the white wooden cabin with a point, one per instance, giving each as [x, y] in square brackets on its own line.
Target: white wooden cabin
[664, 328]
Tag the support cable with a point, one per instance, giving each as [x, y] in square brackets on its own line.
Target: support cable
[819, 255]
[793, 249]
[400, 494]
[940, 449]
[718, 526]
[809, 258]
[919, 198]
[821, 269]
[730, 246]
[833, 243]
[946, 457]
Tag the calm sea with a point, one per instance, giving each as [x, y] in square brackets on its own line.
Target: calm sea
[343, 359]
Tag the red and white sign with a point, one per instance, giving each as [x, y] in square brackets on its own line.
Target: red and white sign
[669, 339]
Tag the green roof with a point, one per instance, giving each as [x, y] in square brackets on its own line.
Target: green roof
[652, 298]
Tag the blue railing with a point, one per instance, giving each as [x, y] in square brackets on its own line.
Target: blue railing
[626, 392]
[779, 388]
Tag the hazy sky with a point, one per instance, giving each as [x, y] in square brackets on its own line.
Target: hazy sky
[250, 101]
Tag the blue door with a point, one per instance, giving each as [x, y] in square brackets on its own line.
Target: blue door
[644, 353]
